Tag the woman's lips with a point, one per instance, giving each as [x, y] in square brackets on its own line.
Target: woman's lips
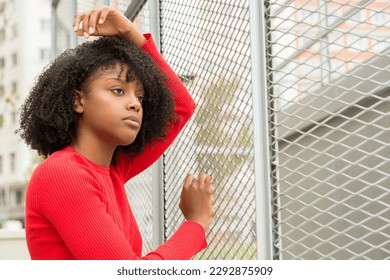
[132, 120]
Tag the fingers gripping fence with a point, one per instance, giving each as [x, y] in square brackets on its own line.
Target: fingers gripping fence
[324, 69]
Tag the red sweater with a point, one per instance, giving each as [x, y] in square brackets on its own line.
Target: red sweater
[76, 209]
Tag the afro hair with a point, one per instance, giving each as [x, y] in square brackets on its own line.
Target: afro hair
[48, 120]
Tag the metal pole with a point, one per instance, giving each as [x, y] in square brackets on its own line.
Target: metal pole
[154, 21]
[54, 48]
[134, 7]
[72, 35]
[260, 131]
[157, 168]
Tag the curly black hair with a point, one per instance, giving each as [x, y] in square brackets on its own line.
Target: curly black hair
[48, 120]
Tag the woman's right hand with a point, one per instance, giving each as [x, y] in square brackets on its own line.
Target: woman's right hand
[107, 21]
[196, 200]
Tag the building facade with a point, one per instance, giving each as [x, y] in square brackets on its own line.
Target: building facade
[25, 48]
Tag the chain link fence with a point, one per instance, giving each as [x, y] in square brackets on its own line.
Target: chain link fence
[326, 64]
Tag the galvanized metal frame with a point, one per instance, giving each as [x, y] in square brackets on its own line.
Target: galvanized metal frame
[261, 136]
[157, 168]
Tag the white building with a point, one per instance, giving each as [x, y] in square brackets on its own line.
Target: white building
[25, 48]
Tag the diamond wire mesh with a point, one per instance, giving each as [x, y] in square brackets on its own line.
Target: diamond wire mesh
[207, 44]
[329, 104]
[139, 192]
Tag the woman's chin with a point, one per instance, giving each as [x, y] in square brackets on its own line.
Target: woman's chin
[127, 142]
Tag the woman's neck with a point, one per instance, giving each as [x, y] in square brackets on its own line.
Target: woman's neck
[95, 151]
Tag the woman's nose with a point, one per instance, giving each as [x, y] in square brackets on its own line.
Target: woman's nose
[133, 103]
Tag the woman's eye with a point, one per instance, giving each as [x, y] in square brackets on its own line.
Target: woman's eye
[118, 91]
[140, 98]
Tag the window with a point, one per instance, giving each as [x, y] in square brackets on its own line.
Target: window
[45, 54]
[14, 87]
[2, 35]
[45, 25]
[3, 200]
[14, 31]
[12, 162]
[14, 59]
[13, 117]
[18, 197]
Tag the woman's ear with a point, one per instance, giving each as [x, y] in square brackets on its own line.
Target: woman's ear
[79, 101]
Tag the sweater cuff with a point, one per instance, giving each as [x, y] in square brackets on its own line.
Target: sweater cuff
[149, 44]
[198, 231]
[186, 242]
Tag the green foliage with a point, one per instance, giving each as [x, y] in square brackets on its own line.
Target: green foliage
[217, 97]
[9, 99]
[224, 141]
[214, 118]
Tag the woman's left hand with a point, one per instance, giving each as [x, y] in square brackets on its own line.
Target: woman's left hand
[107, 21]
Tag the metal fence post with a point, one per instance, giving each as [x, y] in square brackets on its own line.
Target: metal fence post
[157, 168]
[72, 35]
[54, 50]
[260, 131]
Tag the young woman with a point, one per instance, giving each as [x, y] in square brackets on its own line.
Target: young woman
[100, 114]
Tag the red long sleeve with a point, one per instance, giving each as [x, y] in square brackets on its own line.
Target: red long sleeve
[76, 209]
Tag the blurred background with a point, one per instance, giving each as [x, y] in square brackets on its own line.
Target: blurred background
[292, 121]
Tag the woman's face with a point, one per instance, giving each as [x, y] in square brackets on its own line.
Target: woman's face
[111, 109]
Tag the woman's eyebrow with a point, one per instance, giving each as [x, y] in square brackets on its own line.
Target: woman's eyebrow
[114, 78]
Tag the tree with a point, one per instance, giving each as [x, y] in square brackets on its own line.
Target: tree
[225, 144]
